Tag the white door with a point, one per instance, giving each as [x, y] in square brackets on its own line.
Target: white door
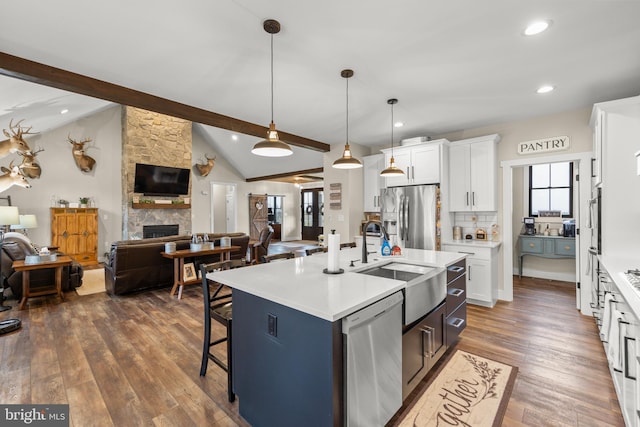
[223, 207]
[459, 190]
[425, 164]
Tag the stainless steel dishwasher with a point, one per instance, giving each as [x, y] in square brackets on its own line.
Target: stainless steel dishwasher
[373, 377]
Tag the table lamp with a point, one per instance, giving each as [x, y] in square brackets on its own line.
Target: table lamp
[26, 222]
[9, 215]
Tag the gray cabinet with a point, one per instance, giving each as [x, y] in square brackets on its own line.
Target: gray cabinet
[545, 247]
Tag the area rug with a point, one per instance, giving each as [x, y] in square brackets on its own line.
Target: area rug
[468, 391]
[92, 282]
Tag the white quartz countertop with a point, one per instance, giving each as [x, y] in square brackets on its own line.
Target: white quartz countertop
[616, 265]
[474, 243]
[300, 284]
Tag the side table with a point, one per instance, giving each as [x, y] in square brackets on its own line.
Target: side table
[58, 264]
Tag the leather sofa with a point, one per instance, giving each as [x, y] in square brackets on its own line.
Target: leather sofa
[15, 247]
[136, 265]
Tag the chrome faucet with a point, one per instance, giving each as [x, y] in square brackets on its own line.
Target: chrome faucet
[366, 253]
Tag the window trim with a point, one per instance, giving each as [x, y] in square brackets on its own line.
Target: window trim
[570, 187]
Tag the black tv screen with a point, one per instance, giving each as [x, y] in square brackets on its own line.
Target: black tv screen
[153, 180]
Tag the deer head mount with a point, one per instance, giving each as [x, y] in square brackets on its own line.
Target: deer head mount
[30, 167]
[12, 176]
[205, 168]
[15, 143]
[85, 163]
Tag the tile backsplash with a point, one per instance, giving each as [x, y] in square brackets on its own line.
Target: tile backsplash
[470, 221]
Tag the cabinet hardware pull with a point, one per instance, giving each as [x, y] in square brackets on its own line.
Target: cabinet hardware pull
[467, 199]
[468, 253]
[456, 292]
[428, 331]
[473, 198]
[408, 176]
[457, 323]
[413, 173]
[566, 248]
[531, 245]
[456, 268]
[469, 273]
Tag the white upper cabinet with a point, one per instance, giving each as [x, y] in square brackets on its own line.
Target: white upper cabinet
[373, 182]
[421, 163]
[473, 174]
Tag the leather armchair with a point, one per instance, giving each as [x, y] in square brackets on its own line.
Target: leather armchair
[16, 247]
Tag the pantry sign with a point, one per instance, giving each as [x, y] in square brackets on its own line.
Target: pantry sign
[556, 143]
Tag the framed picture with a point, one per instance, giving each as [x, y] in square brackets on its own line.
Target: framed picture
[189, 272]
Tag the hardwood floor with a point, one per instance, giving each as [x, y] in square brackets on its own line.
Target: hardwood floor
[134, 360]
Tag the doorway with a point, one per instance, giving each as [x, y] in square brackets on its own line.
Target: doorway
[582, 162]
[312, 213]
[275, 215]
[223, 208]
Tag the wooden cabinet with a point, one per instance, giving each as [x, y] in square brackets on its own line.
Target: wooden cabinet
[482, 273]
[75, 232]
[373, 182]
[421, 163]
[473, 174]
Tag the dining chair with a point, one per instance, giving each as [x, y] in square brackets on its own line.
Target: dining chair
[273, 257]
[315, 250]
[217, 306]
[347, 245]
[261, 247]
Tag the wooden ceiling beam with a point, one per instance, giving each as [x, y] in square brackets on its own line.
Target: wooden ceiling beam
[284, 175]
[35, 72]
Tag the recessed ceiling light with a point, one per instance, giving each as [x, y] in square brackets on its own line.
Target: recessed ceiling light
[234, 137]
[536, 28]
[65, 111]
[545, 89]
[398, 124]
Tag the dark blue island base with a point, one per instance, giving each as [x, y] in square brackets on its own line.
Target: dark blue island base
[287, 365]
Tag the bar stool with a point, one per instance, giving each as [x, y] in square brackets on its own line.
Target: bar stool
[219, 308]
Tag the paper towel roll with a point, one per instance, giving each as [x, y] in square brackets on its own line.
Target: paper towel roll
[333, 253]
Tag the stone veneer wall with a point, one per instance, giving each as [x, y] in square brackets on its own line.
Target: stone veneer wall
[157, 139]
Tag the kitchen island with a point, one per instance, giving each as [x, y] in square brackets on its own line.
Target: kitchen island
[287, 332]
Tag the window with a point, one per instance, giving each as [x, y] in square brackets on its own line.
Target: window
[551, 188]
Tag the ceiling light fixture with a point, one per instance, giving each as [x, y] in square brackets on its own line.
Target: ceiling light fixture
[272, 146]
[347, 161]
[536, 28]
[545, 89]
[392, 170]
[64, 111]
[398, 124]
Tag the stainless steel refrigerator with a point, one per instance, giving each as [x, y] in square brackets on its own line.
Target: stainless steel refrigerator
[408, 215]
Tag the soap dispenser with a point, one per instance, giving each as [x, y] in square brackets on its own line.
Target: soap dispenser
[385, 250]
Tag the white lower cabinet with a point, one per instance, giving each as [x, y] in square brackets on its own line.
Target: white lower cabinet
[482, 273]
[619, 331]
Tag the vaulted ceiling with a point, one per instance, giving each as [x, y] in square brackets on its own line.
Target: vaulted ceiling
[453, 65]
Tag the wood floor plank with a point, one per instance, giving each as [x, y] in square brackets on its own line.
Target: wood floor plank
[135, 359]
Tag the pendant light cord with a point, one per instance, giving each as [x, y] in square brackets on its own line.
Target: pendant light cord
[271, 78]
[347, 127]
[391, 130]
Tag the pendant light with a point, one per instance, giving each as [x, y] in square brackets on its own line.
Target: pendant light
[392, 170]
[347, 161]
[272, 146]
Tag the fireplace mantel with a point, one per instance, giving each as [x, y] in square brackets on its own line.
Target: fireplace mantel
[160, 206]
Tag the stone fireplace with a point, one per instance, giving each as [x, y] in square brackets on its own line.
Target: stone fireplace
[156, 139]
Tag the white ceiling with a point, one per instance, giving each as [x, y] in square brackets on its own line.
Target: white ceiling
[452, 65]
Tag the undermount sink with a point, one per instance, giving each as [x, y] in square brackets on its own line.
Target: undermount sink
[397, 271]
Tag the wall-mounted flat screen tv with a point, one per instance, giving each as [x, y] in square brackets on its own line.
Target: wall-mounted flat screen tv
[153, 180]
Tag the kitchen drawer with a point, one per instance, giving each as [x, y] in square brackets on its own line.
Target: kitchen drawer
[456, 293]
[456, 322]
[456, 270]
[565, 247]
[531, 245]
[472, 251]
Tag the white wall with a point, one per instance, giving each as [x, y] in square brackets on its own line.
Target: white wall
[62, 178]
